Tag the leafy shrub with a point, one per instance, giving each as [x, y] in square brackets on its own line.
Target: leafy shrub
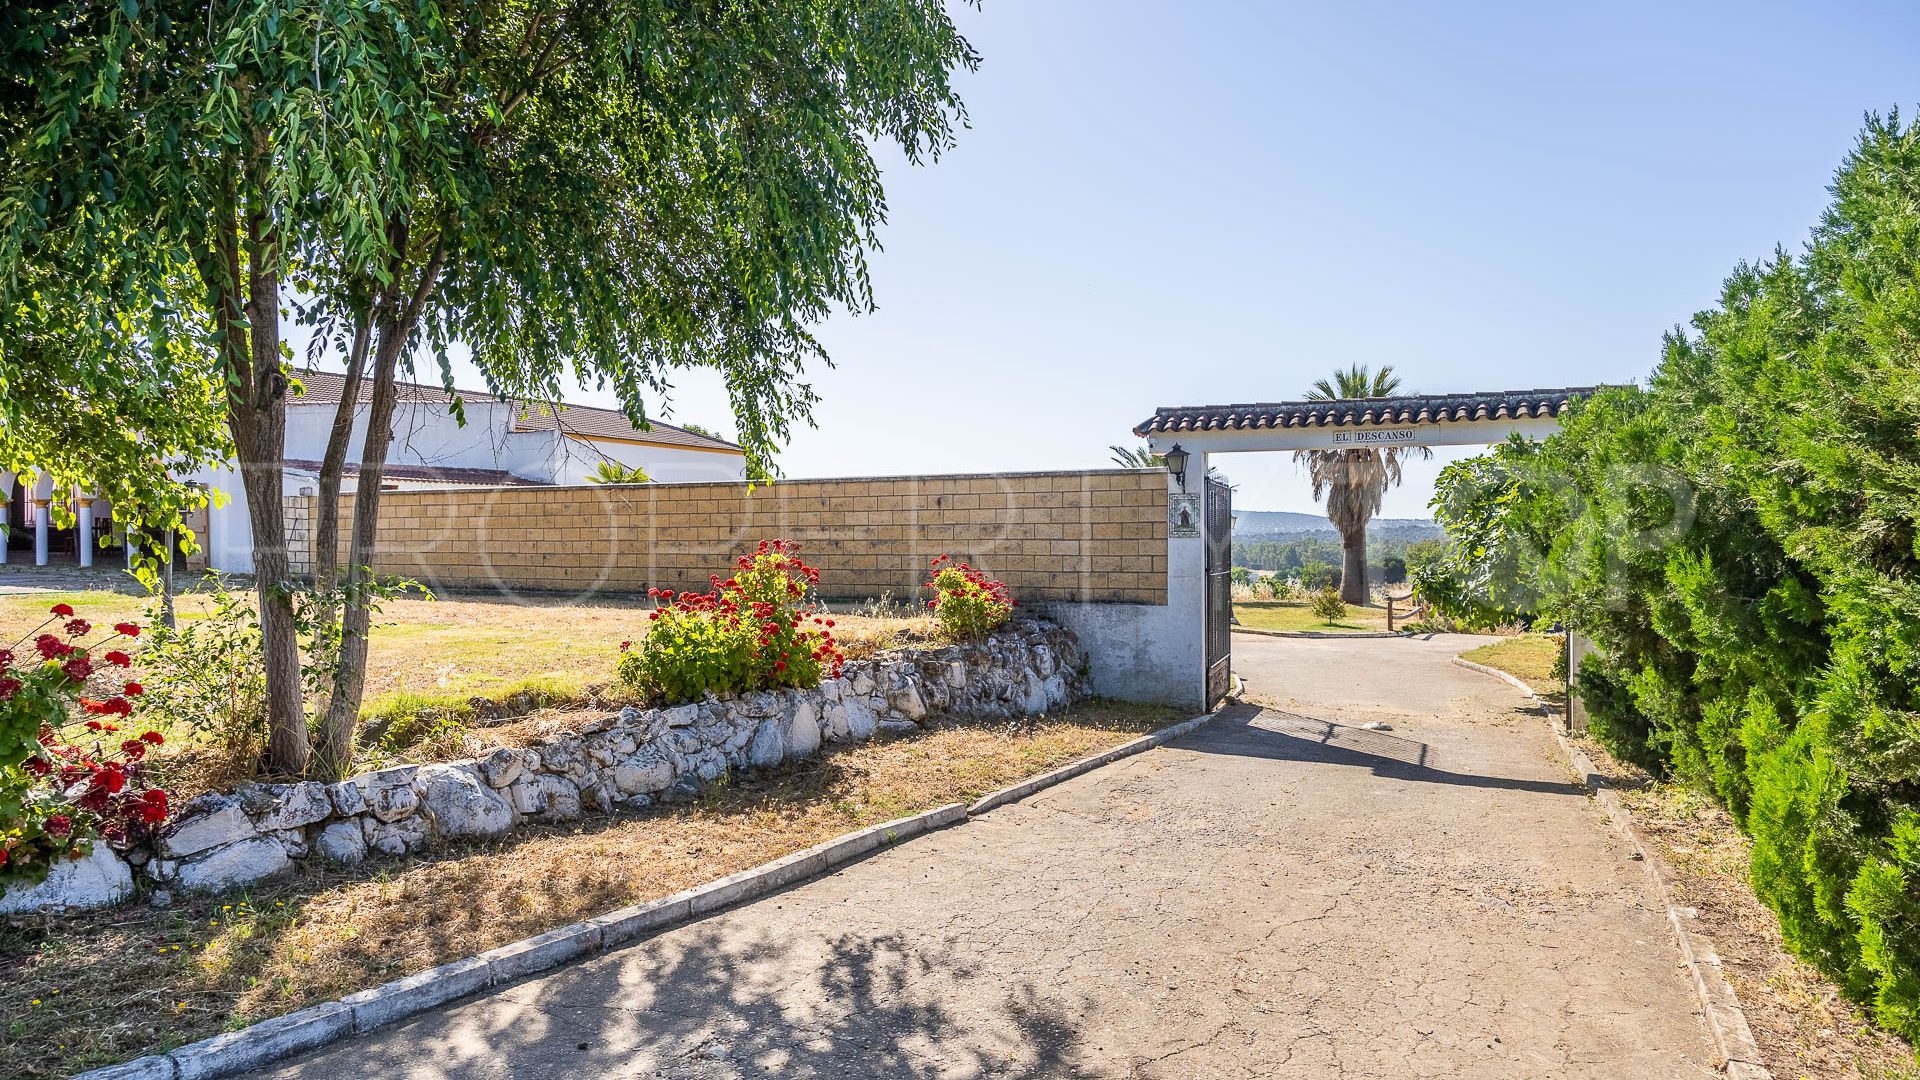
[1741, 541]
[968, 604]
[757, 630]
[68, 772]
[1328, 607]
[206, 676]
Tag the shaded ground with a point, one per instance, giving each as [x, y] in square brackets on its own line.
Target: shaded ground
[97, 987]
[1281, 894]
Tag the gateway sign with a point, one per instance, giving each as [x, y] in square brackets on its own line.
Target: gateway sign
[1376, 436]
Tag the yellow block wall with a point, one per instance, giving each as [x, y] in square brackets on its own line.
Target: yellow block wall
[1098, 536]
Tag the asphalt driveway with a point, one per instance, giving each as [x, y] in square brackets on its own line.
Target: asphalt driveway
[1281, 894]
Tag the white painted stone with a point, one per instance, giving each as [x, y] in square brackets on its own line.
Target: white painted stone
[645, 772]
[680, 715]
[559, 797]
[342, 842]
[300, 804]
[907, 702]
[502, 767]
[860, 719]
[293, 841]
[240, 863]
[459, 804]
[396, 837]
[769, 745]
[803, 730]
[100, 879]
[347, 798]
[390, 794]
[223, 823]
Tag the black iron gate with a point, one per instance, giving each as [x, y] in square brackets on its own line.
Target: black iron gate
[1219, 519]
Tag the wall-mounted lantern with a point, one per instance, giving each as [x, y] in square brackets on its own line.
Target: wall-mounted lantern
[1176, 459]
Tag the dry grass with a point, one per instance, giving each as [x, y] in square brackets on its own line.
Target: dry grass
[91, 989]
[1804, 1028]
[1298, 615]
[1531, 658]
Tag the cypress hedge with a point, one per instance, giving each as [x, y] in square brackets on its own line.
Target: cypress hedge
[1740, 537]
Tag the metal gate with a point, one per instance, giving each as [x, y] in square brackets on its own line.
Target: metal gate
[1219, 518]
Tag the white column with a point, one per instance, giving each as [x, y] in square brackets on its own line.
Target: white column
[6, 512]
[83, 503]
[42, 513]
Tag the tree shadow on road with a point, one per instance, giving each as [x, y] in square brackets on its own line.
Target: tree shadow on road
[704, 1005]
[1283, 736]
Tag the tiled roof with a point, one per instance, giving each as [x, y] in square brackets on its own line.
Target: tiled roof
[586, 421]
[431, 474]
[1364, 412]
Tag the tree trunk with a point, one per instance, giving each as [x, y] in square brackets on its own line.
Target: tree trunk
[1353, 569]
[326, 544]
[350, 673]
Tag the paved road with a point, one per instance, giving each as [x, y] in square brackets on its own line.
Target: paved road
[1282, 894]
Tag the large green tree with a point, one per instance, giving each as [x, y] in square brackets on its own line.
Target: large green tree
[603, 190]
[1353, 481]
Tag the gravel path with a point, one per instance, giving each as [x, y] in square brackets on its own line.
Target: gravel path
[1281, 894]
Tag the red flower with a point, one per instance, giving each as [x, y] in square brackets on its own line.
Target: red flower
[127, 628]
[153, 737]
[9, 686]
[38, 766]
[153, 806]
[6, 657]
[78, 668]
[92, 706]
[110, 777]
[50, 647]
[59, 825]
[119, 659]
[78, 627]
[134, 689]
[134, 749]
[63, 610]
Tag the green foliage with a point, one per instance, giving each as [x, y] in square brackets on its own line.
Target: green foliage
[612, 472]
[968, 604]
[1354, 481]
[1741, 540]
[1135, 457]
[1327, 606]
[204, 676]
[1240, 575]
[758, 630]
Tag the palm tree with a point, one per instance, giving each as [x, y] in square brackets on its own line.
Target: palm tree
[1141, 458]
[1354, 481]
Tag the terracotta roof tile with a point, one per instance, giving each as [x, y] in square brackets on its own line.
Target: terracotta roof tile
[1364, 412]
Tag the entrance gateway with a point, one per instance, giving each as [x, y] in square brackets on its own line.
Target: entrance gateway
[1337, 424]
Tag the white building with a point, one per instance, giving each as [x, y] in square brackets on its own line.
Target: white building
[502, 443]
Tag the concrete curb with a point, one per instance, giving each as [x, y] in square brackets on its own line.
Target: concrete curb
[1511, 680]
[1719, 1004]
[270, 1040]
[1016, 792]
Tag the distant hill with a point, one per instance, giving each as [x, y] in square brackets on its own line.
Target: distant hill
[1250, 524]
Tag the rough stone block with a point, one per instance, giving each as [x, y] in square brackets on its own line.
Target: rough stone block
[242, 862]
[347, 798]
[342, 843]
[646, 771]
[803, 730]
[390, 794]
[157, 1067]
[298, 805]
[769, 745]
[459, 805]
[100, 879]
[502, 767]
[216, 821]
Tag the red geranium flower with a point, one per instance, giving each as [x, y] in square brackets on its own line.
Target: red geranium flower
[62, 610]
[9, 686]
[78, 627]
[78, 668]
[134, 689]
[119, 659]
[127, 628]
[59, 825]
[153, 737]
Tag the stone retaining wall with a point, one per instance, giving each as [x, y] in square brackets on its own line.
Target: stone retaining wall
[632, 759]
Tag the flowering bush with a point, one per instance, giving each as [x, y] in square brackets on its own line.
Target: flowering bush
[969, 604]
[68, 771]
[757, 630]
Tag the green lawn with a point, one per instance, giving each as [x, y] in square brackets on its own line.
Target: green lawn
[1292, 615]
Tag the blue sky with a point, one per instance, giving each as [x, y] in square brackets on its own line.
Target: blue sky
[1208, 202]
